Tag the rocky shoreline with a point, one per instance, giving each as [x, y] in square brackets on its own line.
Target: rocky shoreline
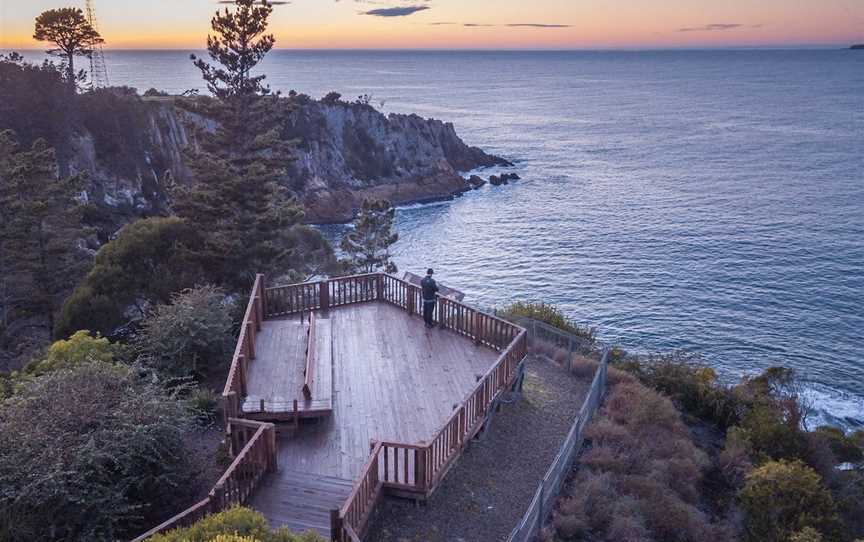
[346, 152]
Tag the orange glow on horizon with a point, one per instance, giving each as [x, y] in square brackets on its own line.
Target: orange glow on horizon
[586, 24]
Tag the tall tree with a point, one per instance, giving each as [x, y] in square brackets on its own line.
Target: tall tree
[248, 217]
[368, 243]
[39, 236]
[238, 44]
[72, 35]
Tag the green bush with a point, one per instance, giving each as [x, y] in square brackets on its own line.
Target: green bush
[150, 260]
[91, 452]
[241, 522]
[782, 498]
[191, 335]
[204, 403]
[549, 314]
[80, 348]
[846, 448]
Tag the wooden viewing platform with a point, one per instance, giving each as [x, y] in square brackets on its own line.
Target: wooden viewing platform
[394, 403]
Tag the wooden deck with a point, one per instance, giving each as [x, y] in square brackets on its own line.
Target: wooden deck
[276, 376]
[394, 380]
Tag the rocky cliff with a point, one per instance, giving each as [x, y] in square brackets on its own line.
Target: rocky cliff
[346, 152]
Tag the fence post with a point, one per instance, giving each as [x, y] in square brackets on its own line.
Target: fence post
[420, 463]
[379, 286]
[324, 294]
[272, 463]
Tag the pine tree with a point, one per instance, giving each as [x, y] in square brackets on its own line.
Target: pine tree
[72, 35]
[40, 257]
[368, 243]
[237, 200]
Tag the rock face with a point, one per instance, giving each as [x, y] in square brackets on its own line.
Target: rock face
[347, 152]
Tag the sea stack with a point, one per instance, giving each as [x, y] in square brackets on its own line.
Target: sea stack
[858, 47]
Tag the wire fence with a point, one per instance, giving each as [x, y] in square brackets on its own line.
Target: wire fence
[547, 491]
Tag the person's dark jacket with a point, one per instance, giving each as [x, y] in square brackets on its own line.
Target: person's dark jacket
[429, 288]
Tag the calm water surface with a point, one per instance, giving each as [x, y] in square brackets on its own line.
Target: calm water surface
[707, 201]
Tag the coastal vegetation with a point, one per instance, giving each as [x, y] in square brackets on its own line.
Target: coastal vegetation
[676, 453]
[233, 525]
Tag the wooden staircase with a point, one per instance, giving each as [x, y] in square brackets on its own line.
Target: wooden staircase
[300, 501]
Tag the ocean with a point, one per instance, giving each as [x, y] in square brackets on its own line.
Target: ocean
[707, 201]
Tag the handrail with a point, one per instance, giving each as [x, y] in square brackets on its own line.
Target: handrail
[310, 358]
[357, 509]
[256, 457]
[235, 385]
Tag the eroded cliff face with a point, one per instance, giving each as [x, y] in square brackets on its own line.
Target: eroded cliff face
[346, 152]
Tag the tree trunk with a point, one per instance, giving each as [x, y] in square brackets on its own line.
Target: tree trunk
[70, 71]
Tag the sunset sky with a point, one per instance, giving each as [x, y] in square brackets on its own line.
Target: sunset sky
[459, 24]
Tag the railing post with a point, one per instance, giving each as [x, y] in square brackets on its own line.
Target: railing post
[272, 463]
[250, 339]
[379, 286]
[335, 526]
[217, 497]
[440, 310]
[242, 363]
[420, 471]
[263, 293]
[410, 300]
[324, 294]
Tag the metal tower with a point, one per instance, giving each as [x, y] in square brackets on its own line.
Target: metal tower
[98, 71]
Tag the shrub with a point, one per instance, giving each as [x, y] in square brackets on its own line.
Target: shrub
[150, 260]
[191, 335]
[332, 98]
[97, 454]
[807, 534]
[846, 448]
[548, 314]
[639, 480]
[781, 498]
[234, 522]
[80, 348]
[204, 403]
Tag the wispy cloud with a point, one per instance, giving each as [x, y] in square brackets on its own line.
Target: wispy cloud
[403, 11]
[537, 25]
[711, 27]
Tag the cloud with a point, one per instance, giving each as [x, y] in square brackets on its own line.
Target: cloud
[395, 12]
[537, 25]
[475, 25]
[711, 27]
[441, 24]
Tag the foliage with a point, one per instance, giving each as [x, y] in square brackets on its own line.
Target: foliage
[97, 454]
[70, 32]
[114, 117]
[39, 234]
[203, 403]
[190, 335]
[34, 103]
[781, 498]
[640, 478]
[79, 349]
[332, 98]
[692, 385]
[846, 448]
[237, 199]
[807, 534]
[149, 260]
[368, 243]
[548, 314]
[155, 93]
[237, 45]
[239, 522]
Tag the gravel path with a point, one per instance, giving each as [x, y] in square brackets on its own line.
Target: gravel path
[488, 491]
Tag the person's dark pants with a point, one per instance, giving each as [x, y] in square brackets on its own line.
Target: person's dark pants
[428, 311]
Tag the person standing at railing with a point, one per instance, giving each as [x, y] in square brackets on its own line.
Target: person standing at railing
[429, 289]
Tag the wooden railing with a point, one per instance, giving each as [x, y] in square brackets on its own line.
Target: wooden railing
[418, 469]
[254, 447]
[310, 358]
[244, 352]
[349, 523]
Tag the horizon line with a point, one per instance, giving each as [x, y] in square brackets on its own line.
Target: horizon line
[779, 47]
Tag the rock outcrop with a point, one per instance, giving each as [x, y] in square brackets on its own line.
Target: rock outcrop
[346, 152]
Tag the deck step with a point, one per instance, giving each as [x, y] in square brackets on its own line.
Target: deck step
[300, 501]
